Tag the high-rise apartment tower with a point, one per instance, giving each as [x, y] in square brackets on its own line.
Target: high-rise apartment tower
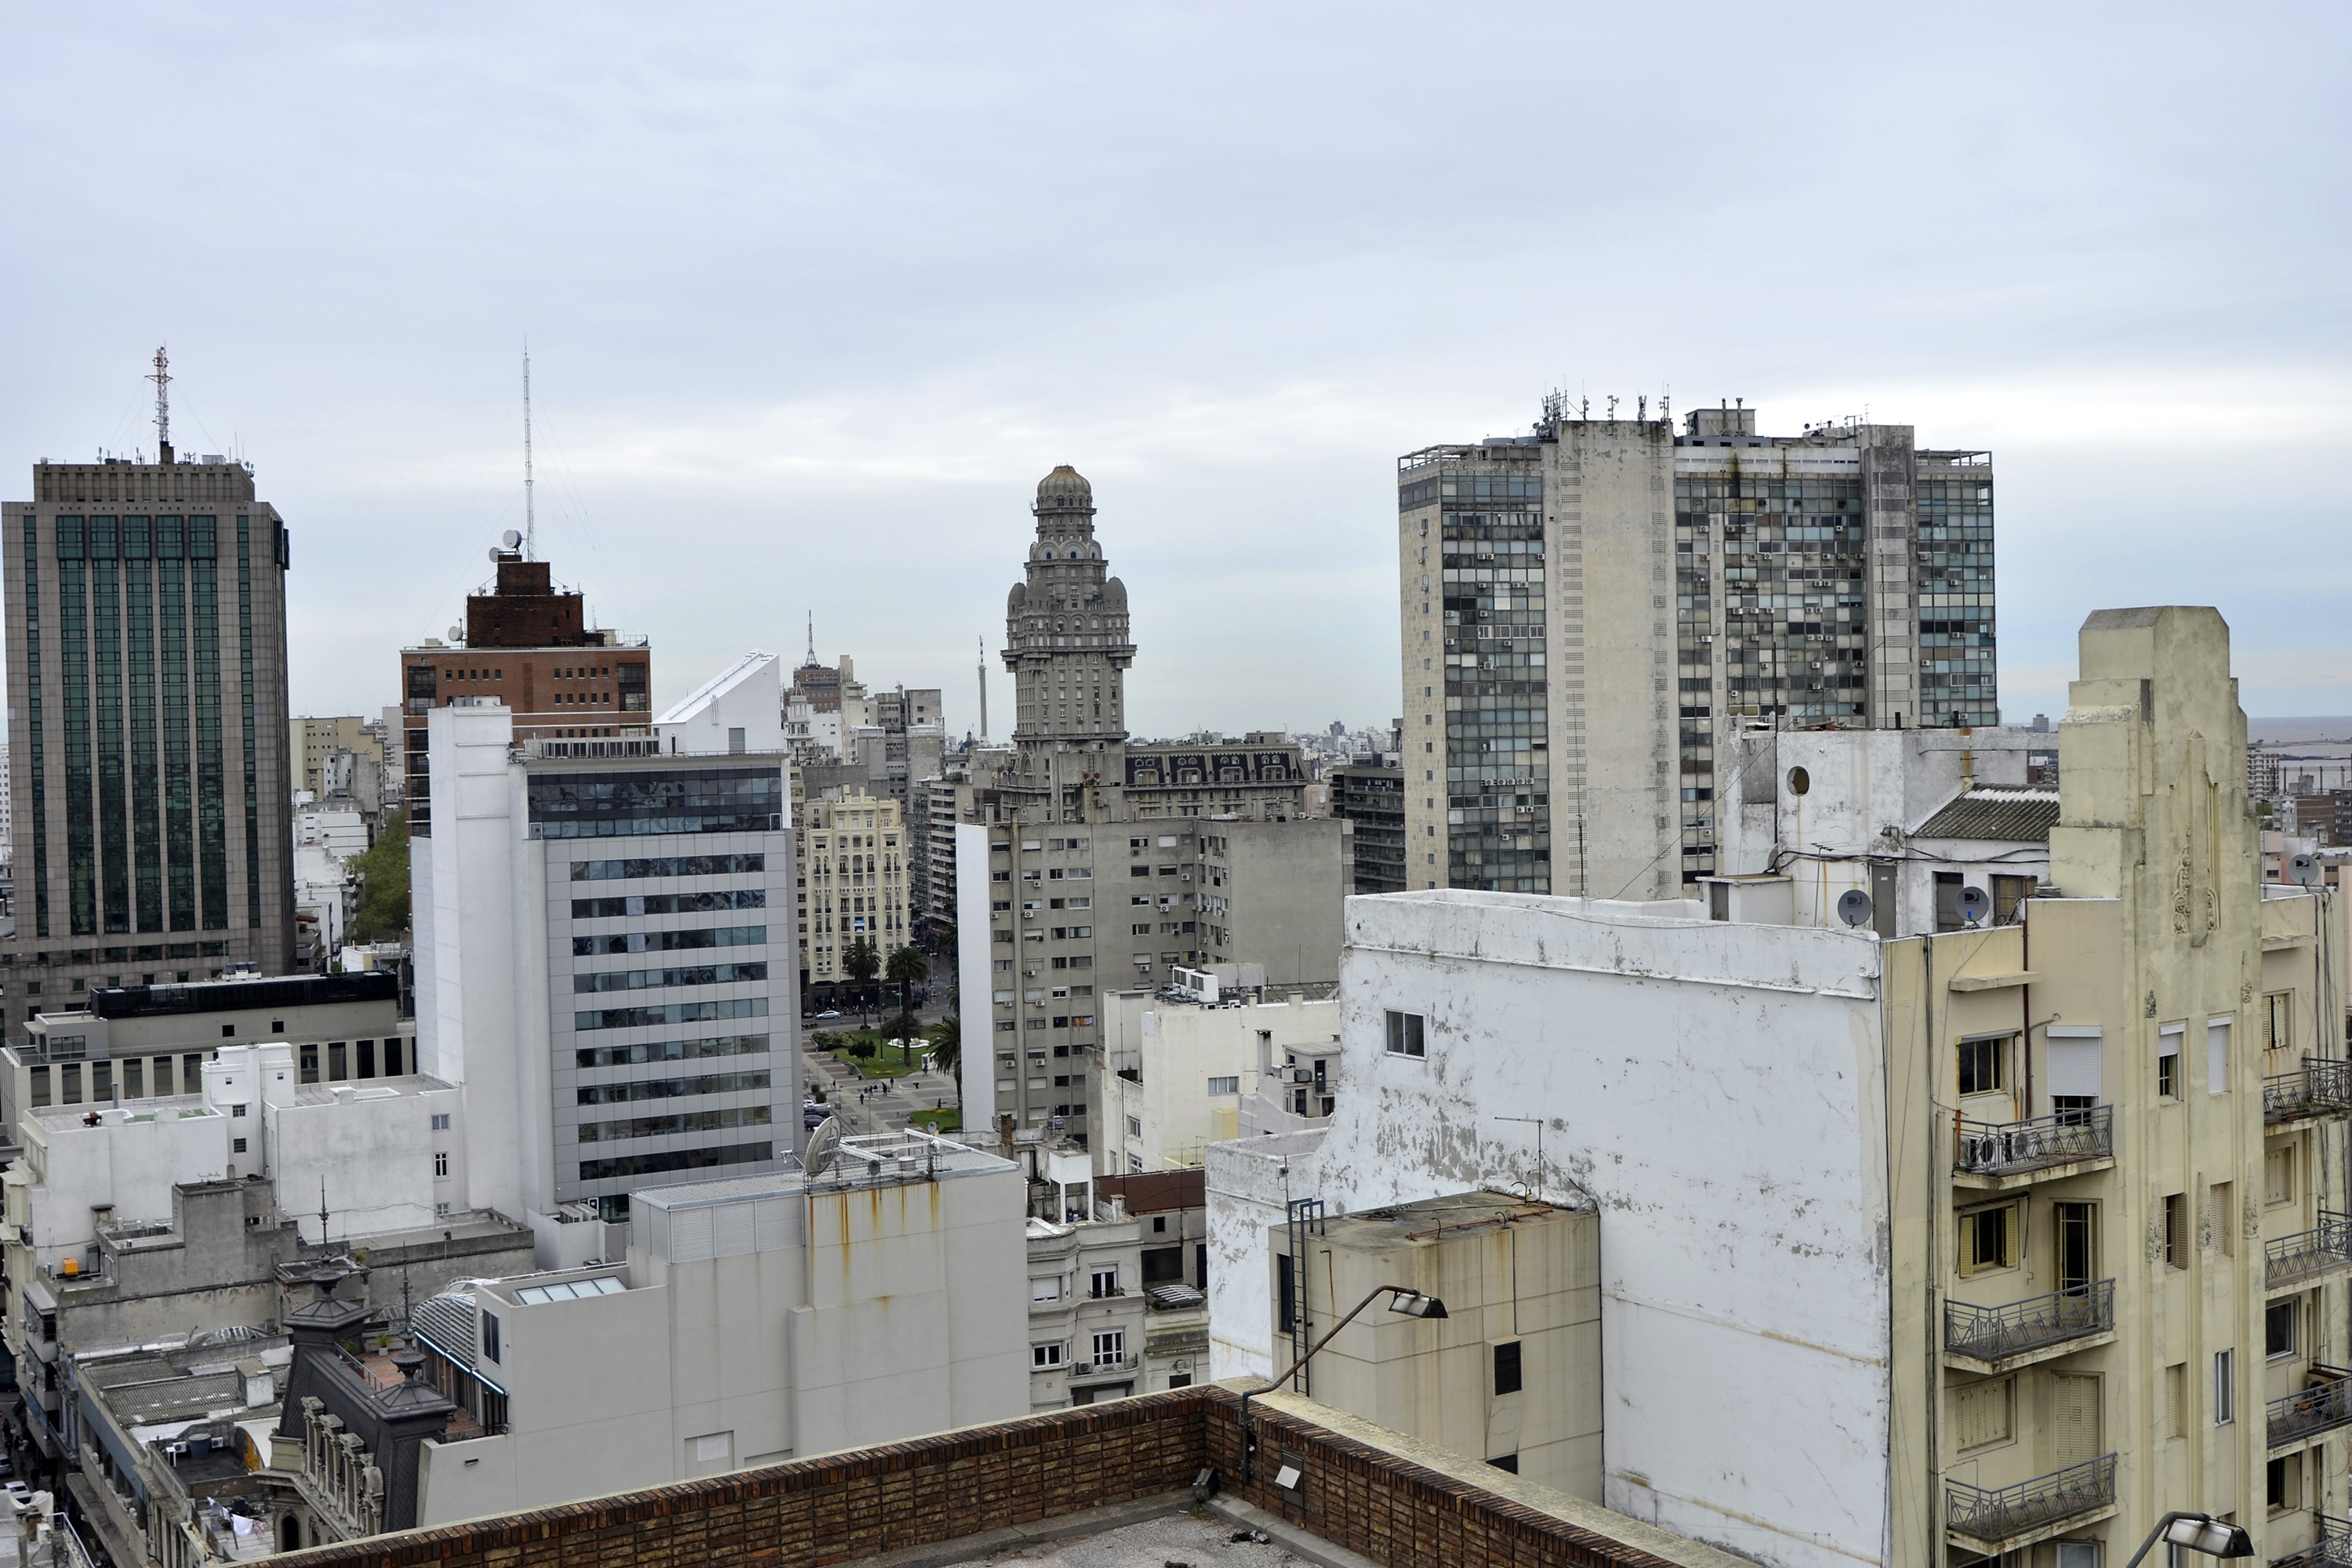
[1585, 609]
[150, 767]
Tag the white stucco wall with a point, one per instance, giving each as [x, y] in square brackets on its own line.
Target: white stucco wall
[1716, 1088]
[974, 949]
[1249, 1184]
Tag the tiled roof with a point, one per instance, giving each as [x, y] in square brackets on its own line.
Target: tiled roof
[2011, 815]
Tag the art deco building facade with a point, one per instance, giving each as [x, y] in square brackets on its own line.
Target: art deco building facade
[1586, 609]
[150, 767]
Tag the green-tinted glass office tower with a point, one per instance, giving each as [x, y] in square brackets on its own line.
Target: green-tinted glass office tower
[150, 767]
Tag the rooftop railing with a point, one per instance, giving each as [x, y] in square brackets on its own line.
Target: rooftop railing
[2316, 1089]
[2307, 1254]
[1991, 1334]
[2014, 1148]
[1995, 1514]
[2323, 1405]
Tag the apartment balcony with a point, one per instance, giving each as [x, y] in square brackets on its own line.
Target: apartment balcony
[1989, 1340]
[1993, 1155]
[2322, 1404]
[2289, 1262]
[2331, 1550]
[2318, 1089]
[1994, 1519]
[1087, 1367]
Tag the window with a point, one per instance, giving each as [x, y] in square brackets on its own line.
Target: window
[489, 1336]
[2225, 1387]
[1106, 1282]
[1988, 1239]
[1507, 1368]
[2278, 1174]
[2168, 1063]
[2176, 1400]
[1984, 1413]
[1110, 1347]
[1984, 1065]
[2176, 1230]
[2278, 1020]
[441, 1122]
[1045, 1290]
[2221, 1216]
[2283, 1484]
[1135, 1126]
[1042, 1356]
[2217, 1056]
[1225, 1085]
[440, 1162]
[236, 1146]
[1406, 1034]
[2279, 1321]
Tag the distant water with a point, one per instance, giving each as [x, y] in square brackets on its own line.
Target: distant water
[2298, 731]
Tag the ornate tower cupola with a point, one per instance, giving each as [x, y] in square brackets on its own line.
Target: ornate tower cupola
[1066, 636]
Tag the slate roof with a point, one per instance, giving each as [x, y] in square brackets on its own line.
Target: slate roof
[2010, 816]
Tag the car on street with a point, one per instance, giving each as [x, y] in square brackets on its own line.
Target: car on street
[828, 1012]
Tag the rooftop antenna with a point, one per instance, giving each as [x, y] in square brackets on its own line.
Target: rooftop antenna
[983, 687]
[1642, 408]
[529, 512]
[1539, 1123]
[322, 1211]
[812, 631]
[162, 380]
[1613, 409]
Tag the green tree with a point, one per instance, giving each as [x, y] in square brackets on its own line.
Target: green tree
[861, 962]
[907, 965]
[947, 1045]
[383, 886]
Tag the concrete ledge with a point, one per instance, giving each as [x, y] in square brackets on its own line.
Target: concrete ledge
[1299, 1543]
[1995, 981]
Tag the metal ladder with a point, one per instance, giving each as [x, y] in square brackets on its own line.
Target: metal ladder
[1304, 1219]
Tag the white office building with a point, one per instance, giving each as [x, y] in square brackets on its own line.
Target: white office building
[605, 960]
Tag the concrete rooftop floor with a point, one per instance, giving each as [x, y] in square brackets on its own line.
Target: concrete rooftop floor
[1160, 1542]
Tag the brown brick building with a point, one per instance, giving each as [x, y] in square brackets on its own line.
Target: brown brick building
[529, 647]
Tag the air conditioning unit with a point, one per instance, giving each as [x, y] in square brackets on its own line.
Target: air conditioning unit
[1302, 1075]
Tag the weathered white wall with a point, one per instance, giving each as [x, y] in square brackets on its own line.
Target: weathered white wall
[1249, 1183]
[974, 949]
[1177, 1046]
[1716, 1088]
[371, 1148]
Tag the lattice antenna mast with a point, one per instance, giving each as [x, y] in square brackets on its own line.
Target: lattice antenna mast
[530, 511]
[161, 377]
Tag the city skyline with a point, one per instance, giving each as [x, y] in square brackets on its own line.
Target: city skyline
[778, 279]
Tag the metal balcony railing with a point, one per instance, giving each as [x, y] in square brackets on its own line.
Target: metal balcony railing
[1989, 1333]
[1103, 1366]
[2307, 1254]
[2322, 1404]
[2331, 1550]
[2012, 1147]
[2317, 1088]
[1995, 1514]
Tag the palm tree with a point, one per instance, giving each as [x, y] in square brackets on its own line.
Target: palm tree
[946, 1048]
[861, 962]
[907, 965]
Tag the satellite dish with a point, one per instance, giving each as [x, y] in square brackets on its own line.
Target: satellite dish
[2303, 870]
[456, 634]
[494, 555]
[1853, 907]
[510, 538]
[1974, 905]
[824, 1147]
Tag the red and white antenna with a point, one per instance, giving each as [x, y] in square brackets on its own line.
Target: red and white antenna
[530, 511]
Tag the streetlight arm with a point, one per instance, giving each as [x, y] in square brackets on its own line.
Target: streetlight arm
[1249, 1431]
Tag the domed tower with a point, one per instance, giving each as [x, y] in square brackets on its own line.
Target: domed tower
[1065, 642]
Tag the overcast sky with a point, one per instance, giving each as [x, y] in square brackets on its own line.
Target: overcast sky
[815, 295]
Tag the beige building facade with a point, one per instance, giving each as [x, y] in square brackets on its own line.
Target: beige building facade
[322, 738]
[853, 853]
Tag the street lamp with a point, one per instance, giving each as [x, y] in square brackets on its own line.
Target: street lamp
[1412, 1303]
[2198, 1533]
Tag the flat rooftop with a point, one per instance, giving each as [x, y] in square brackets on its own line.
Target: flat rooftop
[1440, 1219]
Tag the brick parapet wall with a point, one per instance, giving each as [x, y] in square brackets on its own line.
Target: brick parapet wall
[845, 1506]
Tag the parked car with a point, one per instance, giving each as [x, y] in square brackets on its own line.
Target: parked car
[828, 1012]
[813, 1115]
